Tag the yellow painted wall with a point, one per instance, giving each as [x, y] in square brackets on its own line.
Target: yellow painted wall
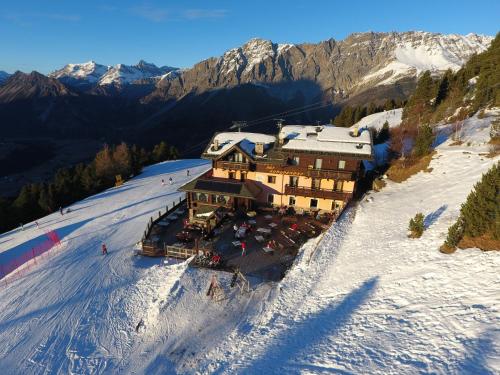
[277, 188]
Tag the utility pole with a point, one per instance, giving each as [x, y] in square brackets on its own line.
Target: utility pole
[239, 125]
[279, 123]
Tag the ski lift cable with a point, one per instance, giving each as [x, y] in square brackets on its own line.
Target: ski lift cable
[288, 113]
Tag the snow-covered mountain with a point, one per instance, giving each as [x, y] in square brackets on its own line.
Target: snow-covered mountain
[3, 76]
[415, 52]
[341, 68]
[91, 73]
[363, 298]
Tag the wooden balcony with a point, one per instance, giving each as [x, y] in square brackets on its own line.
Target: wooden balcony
[232, 165]
[294, 170]
[317, 193]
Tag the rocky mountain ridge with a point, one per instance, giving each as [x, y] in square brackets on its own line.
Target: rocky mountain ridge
[340, 68]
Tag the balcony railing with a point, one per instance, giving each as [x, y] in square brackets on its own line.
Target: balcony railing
[317, 193]
[333, 174]
[232, 165]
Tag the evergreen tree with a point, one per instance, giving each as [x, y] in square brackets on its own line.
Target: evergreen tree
[443, 88]
[416, 225]
[46, 199]
[424, 141]
[455, 234]
[481, 210]
[383, 135]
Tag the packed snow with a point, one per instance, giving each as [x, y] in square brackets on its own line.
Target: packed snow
[362, 298]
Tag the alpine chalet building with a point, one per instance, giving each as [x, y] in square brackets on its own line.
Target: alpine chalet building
[309, 168]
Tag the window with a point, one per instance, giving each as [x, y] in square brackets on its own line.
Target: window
[271, 179]
[336, 206]
[294, 181]
[314, 203]
[295, 160]
[339, 185]
[201, 197]
[318, 163]
[222, 199]
[341, 164]
[291, 201]
[316, 183]
[243, 176]
[238, 157]
[232, 175]
[270, 198]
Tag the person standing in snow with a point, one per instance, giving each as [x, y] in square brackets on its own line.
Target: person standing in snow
[37, 226]
[104, 249]
[187, 172]
[170, 181]
[162, 182]
[243, 248]
[61, 211]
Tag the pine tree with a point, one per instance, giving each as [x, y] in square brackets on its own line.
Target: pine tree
[416, 225]
[46, 199]
[424, 141]
[481, 209]
[443, 88]
[383, 135]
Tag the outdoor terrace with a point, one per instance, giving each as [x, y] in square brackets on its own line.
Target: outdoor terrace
[258, 260]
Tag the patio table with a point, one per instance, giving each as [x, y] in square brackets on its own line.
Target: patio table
[264, 230]
[259, 238]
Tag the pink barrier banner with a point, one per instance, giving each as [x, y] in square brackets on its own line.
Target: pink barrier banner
[51, 241]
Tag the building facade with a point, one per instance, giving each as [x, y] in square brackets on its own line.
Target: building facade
[312, 168]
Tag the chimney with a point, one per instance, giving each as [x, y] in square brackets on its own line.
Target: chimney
[259, 148]
[216, 144]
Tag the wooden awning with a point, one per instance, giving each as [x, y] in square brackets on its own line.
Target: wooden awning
[233, 188]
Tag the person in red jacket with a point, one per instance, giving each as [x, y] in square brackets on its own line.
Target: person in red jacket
[104, 249]
[243, 248]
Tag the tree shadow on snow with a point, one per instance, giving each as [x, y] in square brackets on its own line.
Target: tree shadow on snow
[281, 356]
[477, 351]
[26, 247]
[170, 167]
[433, 216]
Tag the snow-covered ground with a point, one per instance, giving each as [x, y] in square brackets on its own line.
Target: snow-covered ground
[377, 120]
[364, 298]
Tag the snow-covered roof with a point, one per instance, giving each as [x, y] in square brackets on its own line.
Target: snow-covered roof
[326, 138]
[245, 140]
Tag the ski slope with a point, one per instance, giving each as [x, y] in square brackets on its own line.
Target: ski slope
[364, 298]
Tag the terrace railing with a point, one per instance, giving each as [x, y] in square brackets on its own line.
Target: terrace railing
[317, 193]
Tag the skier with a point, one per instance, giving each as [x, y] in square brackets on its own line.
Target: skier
[104, 249]
[61, 211]
[37, 226]
[170, 181]
[243, 248]
[162, 182]
[187, 172]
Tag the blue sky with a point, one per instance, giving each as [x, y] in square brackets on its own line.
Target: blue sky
[44, 35]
